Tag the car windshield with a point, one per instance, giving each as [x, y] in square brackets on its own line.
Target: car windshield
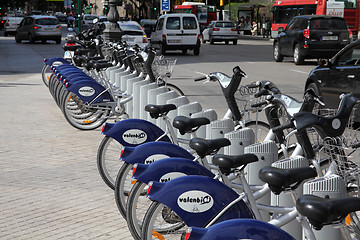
[224, 24]
[127, 27]
[102, 19]
[47, 21]
[326, 23]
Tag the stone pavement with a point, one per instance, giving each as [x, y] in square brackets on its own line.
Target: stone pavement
[49, 184]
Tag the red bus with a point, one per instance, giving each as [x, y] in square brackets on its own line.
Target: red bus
[204, 13]
[285, 10]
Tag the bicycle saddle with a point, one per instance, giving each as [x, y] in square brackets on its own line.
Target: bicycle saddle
[324, 211]
[159, 110]
[188, 125]
[280, 179]
[204, 147]
[226, 162]
[332, 126]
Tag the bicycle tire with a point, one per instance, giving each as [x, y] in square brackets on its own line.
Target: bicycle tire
[136, 208]
[172, 87]
[173, 225]
[108, 162]
[44, 75]
[260, 129]
[76, 117]
[123, 187]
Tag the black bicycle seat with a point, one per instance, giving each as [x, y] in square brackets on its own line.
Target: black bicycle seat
[204, 147]
[332, 126]
[324, 211]
[280, 179]
[159, 110]
[226, 162]
[189, 125]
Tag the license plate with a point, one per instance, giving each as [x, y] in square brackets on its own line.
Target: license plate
[174, 41]
[68, 54]
[330, 38]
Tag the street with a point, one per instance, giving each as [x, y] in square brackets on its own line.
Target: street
[50, 186]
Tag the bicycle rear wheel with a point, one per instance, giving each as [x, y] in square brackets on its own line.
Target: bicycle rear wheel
[172, 87]
[161, 222]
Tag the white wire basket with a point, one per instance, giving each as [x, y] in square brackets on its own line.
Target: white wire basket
[245, 97]
[163, 67]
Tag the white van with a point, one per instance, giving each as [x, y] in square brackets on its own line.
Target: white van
[176, 31]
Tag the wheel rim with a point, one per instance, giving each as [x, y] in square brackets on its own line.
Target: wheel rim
[109, 163]
[276, 51]
[296, 55]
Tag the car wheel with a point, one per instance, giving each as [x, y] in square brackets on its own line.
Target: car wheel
[17, 39]
[203, 41]
[31, 38]
[184, 51]
[43, 41]
[226, 42]
[5, 34]
[235, 42]
[196, 51]
[276, 53]
[58, 41]
[314, 87]
[162, 49]
[211, 40]
[298, 58]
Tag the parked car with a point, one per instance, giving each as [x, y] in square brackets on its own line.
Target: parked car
[177, 31]
[36, 12]
[314, 36]
[2, 22]
[133, 33]
[220, 31]
[148, 25]
[88, 19]
[61, 17]
[102, 19]
[11, 24]
[39, 27]
[338, 75]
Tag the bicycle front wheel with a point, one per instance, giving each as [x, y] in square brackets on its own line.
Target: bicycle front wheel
[136, 208]
[123, 185]
[108, 161]
[45, 74]
[260, 129]
[161, 222]
[172, 87]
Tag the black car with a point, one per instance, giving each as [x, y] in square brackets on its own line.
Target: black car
[340, 74]
[148, 25]
[314, 36]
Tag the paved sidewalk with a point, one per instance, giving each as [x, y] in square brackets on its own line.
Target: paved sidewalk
[49, 184]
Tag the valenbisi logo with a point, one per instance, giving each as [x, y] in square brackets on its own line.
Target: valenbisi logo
[195, 201]
[172, 175]
[134, 136]
[154, 158]
[86, 91]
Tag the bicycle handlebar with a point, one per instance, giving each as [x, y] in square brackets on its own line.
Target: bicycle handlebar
[287, 125]
[201, 78]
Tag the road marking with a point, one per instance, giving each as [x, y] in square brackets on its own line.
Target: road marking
[294, 70]
[250, 62]
[201, 73]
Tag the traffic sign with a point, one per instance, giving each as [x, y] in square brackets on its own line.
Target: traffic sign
[165, 5]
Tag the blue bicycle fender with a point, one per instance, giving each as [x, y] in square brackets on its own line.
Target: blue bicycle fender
[133, 132]
[87, 90]
[50, 61]
[153, 151]
[240, 229]
[168, 169]
[197, 199]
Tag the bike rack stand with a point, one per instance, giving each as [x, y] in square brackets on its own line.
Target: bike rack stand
[294, 227]
[239, 140]
[144, 91]
[161, 99]
[178, 101]
[152, 94]
[129, 90]
[267, 152]
[332, 186]
[209, 114]
[137, 96]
